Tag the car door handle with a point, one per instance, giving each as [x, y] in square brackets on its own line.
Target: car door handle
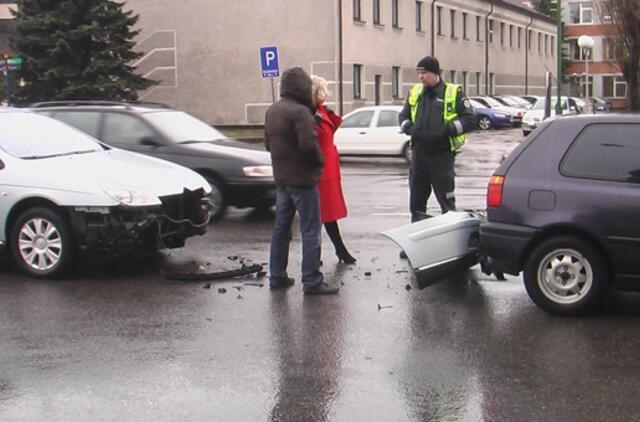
[362, 133]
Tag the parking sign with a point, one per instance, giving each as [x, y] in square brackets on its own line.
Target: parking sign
[269, 62]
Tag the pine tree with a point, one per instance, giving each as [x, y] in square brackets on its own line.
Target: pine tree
[76, 49]
[544, 6]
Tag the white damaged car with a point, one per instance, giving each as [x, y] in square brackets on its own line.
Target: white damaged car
[63, 193]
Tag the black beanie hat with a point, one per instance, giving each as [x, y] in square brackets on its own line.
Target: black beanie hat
[430, 64]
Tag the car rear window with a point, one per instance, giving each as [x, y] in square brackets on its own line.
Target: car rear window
[605, 152]
[359, 119]
[388, 118]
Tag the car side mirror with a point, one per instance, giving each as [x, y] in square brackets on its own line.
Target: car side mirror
[149, 141]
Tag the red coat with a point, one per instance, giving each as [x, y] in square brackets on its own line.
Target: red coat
[332, 205]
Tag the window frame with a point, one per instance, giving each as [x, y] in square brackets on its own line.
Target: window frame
[452, 23]
[357, 10]
[395, 82]
[395, 14]
[377, 15]
[357, 81]
[419, 16]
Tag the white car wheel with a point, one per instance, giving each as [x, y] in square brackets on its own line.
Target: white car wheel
[565, 275]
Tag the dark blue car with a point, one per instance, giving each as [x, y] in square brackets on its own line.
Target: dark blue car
[563, 208]
[490, 118]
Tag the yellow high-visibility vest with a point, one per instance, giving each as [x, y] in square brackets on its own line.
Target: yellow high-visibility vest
[450, 112]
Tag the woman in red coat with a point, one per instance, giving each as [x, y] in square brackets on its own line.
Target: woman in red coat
[332, 205]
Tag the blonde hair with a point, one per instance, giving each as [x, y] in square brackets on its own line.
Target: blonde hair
[319, 84]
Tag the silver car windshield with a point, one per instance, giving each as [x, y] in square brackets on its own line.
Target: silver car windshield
[181, 127]
[539, 105]
[32, 136]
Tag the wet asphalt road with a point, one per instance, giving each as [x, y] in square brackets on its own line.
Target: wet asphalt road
[118, 341]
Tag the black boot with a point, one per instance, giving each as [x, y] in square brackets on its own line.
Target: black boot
[341, 251]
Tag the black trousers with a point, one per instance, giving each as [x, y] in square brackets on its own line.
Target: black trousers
[431, 170]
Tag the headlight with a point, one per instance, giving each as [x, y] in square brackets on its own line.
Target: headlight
[500, 115]
[129, 196]
[258, 171]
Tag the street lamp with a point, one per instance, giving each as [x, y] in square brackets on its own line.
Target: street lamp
[586, 42]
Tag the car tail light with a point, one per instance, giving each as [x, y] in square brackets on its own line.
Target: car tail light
[494, 191]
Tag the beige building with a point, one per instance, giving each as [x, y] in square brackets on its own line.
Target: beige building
[205, 53]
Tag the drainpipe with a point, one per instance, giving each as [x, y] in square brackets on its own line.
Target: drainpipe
[526, 55]
[486, 50]
[340, 84]
[433, 33]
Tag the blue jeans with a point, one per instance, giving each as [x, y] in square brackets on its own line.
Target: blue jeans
[305, 200]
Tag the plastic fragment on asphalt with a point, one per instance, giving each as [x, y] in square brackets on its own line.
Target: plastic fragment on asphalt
[222, 290]
[217, 275]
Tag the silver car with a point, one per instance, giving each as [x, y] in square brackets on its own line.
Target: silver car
[63, 192]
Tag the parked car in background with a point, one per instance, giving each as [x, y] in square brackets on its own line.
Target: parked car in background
[373, 130]
[489, 118]
[238, 177]
[515, 113]
[533, 117]
[531, 98]
[563, 207]
[62, 192]
[600, 104]
[512, 101]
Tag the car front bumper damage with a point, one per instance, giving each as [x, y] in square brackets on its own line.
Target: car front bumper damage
[129, 229]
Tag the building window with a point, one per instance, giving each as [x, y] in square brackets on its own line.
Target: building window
[530, 40]
[511, 36]
[575, 52]
[452, 13]
[452, 77]
[419, 16]
[478, 79]
[546, 44]
[357, 81]
[439, 19]
[490, 31]
[394, 14]
[464, 27]
[539, 42]
[614, 87]
[611, 49]
[553, 45]
[492, 83]
[502, 33]
[478, 37]
[519, 38]
[376, 12]
[357, 11]
[581, 12]
[395, 82]
[465, 76]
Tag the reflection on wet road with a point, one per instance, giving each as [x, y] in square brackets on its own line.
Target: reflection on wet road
[121, 342]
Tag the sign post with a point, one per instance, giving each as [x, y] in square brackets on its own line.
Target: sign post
[8, 65]
[269, 66]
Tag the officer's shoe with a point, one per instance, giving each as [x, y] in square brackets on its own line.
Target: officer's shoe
[321, 289]
[281, 282]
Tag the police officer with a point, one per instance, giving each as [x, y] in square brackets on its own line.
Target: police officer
[436, 116]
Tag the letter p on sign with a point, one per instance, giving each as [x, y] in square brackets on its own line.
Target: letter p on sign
[269, 62]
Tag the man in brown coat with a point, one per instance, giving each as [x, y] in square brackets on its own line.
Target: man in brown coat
[290, 136]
